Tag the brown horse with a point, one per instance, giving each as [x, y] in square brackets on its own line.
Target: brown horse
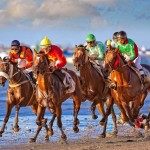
[93, 85]
[49, 95]
[20, 92]
[129, 86]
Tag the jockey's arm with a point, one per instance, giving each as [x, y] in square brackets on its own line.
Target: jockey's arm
[12, 58]
[132, 54]
[29, 58]
[61, 59]
[100, 51]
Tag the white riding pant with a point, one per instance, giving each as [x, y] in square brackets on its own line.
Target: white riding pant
[137, 62]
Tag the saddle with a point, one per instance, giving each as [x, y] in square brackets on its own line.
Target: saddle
[66, 80]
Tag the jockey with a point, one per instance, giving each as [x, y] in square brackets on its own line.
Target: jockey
[23, 56]
[55, 56]
[114, 41]
[129, 50]
[95, 48]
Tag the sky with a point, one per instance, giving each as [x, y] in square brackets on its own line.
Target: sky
[67, 22]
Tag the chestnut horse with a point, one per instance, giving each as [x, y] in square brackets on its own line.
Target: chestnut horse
[20, 92]
[129, 86]
[49, 89]
[93, 85]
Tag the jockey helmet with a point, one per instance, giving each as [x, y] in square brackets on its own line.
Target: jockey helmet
[108, 42]
[90, 37]
[115, 35]
[15, 43]
[121, 34]
[45, 42]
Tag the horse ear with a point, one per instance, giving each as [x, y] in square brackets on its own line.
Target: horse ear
[35, 52]
[1, 59]
[75, 46]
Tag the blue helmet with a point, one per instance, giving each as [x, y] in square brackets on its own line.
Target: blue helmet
[15, 43]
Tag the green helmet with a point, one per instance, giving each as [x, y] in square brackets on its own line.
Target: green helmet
[90, 37]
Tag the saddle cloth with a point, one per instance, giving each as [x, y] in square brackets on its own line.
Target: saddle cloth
[68, 82]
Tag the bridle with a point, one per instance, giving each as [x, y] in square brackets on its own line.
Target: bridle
[10, 75]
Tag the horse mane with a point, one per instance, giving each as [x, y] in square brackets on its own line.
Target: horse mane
[80, 45]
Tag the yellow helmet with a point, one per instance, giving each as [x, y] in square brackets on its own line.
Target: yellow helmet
[108, 42]
[45, 42]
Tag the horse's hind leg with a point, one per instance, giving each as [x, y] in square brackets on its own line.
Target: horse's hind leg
[77, 104]
[51, 125]
[8, 111]
[100, 106]
[38, 122]
[34, 108]
[93, 107]
[59, 122]
[16, 126]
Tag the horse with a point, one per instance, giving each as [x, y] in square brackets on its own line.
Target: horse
[20, 92]
[128, 85]
[93, 86]
[49, 89]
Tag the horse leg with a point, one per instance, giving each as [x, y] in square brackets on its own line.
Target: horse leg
[59, 122]
[8, 111]
[128, 111]
[51, 125]
[43, 123]
[34, 108]
[38, 122]
[93, 107]
[114, 118]
[16, 126]
[100, 106]
[77, 104]
[124, 117]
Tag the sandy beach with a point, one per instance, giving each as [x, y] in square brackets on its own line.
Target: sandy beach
[138, 142]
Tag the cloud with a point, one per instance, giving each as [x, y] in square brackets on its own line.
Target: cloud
[51, 13]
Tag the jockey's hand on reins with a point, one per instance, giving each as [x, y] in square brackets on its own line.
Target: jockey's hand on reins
[52, 68]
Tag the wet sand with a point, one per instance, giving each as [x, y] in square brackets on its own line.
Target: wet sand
[110, 143]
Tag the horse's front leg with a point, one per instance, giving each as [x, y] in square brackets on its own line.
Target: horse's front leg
[59, 122]
[38, 122]
[8, 111]
[51, 132]
[93, 107]
[16, 126]
[77, 104]
[128, 111]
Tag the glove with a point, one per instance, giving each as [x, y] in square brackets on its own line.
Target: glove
[127, 58]
[21, 63]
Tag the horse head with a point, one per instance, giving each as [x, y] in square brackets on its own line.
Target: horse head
[80, 57]
[40, 64]
[113, 60]
[7, 70]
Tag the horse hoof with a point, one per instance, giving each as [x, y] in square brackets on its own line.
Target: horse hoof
[94, 117]
[114, 133]
[64, 137]
[32, 140]
[50, 132]
[76, 129]
[0, 134]
[16, 129]
[101, 123]
[46, 138]
[101, 135]
[78, 122]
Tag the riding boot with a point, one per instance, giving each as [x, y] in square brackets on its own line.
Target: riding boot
[61, 77]
[32, 77]
[142, 75]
